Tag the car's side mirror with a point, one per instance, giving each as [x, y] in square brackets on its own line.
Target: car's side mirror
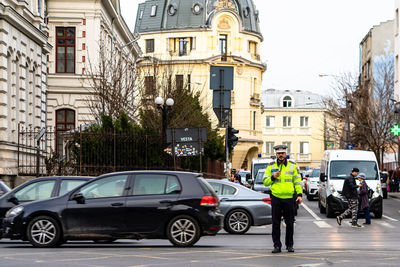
[13, 200]
[322, 177]
[307, 175]
[79, 198]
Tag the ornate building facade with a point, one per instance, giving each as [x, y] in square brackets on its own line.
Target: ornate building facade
[198, 37]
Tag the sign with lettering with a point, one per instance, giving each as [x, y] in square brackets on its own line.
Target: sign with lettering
[186, 141]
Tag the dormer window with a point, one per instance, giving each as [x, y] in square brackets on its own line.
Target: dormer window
[287, 102]
[153, 11]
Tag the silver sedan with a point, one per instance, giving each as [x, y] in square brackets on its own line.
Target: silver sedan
[242, 207]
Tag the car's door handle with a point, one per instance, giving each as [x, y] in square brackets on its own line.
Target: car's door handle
[166, 202]
[118, 204]
[223, 199]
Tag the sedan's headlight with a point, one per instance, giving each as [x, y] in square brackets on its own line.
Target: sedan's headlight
[14, 211]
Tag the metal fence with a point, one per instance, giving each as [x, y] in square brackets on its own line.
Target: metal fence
[81, 152]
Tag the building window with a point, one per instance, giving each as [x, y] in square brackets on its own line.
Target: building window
[182, 46]
[223, 44]
[153, 11]
[39, 7]
[287, 102]
[287, 121]
[304, 148]
[65, 46]
[269, 148]
[149, 85]
[192, 43]
[179, 82]
[189, 82]
[303, 121]
[270, 121]
[141, 14]
[65, 121]
[149, 45]
[254, 120]
[289, 146]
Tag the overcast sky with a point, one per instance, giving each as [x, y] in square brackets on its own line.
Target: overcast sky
[304, 38]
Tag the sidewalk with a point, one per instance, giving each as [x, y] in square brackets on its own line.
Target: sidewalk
[394, 194]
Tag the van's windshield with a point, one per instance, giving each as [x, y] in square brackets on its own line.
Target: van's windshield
[341, 169]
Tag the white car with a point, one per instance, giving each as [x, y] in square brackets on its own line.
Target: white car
[312, 183]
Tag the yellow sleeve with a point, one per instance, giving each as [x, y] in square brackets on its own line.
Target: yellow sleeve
[298, 183]
[267, 176]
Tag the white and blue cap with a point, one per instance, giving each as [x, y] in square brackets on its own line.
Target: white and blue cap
[280, 148]
[361, 175]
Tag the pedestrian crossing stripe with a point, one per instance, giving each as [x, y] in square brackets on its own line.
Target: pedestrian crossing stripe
[322, 224]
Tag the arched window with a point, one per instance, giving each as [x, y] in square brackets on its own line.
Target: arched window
[65, 121]
[287, 102]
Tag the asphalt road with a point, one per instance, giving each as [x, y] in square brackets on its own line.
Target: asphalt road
[318, 242]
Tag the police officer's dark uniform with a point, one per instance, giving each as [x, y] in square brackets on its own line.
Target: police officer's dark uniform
[285, 180]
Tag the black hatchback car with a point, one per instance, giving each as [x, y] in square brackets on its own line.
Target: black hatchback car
[38, 189]
[180, 206]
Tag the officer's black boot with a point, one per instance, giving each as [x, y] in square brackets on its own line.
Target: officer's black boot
[290, 249]
[276, 250]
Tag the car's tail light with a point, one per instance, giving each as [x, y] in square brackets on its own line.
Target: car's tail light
[266, 200]
[209, 201]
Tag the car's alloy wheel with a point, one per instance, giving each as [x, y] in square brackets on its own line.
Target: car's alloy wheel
[44, 232]
[237, 222]
[183, 231]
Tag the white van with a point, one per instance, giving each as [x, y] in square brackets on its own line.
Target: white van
[336, 165]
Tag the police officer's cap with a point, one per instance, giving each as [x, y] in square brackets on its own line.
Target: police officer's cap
[280, 148]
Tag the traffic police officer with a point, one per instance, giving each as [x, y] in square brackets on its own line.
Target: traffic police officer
[285, 180]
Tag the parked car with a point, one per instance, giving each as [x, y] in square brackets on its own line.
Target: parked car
[241, 206]
[312, 183]
[38, 189]
[3, 188]
[179, 206]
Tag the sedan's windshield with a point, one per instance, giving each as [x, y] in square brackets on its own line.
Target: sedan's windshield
[259, 177]
[341, 169]
[258, 166]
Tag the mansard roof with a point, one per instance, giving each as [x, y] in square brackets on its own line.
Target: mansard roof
[163, 15]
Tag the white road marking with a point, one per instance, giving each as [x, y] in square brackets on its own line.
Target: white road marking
[385, 224]
[322, 224]
[311, 212]
[390, 218]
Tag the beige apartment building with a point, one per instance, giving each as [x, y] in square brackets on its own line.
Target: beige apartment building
[198, 37]
[23, 80]
[76, 31]
[297, 119]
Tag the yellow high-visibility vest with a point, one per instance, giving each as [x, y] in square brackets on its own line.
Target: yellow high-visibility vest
[288, 181]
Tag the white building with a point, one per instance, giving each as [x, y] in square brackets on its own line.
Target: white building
[76, 31]
[23, 81]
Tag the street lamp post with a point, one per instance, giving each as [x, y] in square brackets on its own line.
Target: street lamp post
[164, 108]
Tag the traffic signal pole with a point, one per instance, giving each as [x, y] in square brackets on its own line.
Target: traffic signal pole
[227, 151]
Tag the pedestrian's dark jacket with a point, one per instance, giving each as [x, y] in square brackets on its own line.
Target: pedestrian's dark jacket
[364, 202]
[350, 187]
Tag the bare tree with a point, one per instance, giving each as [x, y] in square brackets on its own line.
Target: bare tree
[363, 111]
[113, 82]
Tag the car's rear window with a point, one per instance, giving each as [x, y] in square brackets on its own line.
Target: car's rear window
[206, 186]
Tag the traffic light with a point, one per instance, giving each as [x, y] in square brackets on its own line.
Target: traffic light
[232, 138]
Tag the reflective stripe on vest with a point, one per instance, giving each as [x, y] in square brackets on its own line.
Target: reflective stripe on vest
[289, 173]
[288, 180]
[298, 183]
